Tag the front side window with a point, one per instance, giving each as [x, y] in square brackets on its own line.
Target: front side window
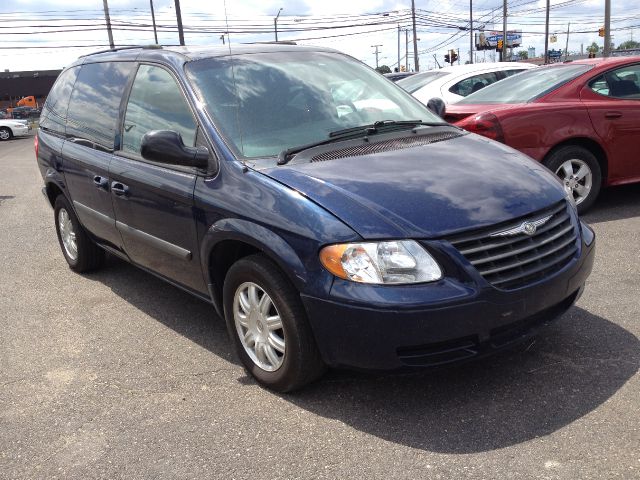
[156, 103]
[473, 84]
[265, 103]
[620, 83]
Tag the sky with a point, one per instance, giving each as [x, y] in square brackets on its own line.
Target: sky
[49, 34]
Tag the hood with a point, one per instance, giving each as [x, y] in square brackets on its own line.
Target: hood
[426, 191]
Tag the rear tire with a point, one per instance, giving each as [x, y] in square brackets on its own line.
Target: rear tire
[268, 325]
[80, 252]
[580, 173]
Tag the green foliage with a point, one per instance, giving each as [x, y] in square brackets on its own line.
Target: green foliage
[629, 44]
[383, 69]
[523, 54]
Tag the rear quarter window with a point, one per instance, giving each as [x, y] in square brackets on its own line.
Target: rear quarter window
[54, 112]
[95, 102]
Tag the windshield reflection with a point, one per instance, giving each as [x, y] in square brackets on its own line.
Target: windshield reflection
[268, 102]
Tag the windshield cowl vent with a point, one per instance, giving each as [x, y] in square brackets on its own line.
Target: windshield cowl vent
[385, 146]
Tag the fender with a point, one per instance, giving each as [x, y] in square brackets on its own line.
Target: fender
[274, 246]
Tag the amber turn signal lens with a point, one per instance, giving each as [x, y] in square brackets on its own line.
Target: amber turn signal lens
[331, 258]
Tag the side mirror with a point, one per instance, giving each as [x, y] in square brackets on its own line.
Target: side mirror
[436, 105]
[166, 146]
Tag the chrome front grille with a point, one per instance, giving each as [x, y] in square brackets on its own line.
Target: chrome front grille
[509, 258]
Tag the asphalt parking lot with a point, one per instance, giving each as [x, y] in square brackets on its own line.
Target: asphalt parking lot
[116, 374]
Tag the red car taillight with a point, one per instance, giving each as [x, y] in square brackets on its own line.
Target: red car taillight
[485, 124]
[35, 144]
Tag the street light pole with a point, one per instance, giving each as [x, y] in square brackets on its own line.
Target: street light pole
[398, 47]
[275, 23]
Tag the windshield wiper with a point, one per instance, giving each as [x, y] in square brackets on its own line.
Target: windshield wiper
[380, 126]
[385, 126]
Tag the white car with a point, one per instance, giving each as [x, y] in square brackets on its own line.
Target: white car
[452, 84]
[13, 128]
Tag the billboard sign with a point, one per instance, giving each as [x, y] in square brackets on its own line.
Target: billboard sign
[489, 40]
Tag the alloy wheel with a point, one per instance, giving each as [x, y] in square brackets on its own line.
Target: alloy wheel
[67, 234]
[577, 178]
[259, 326]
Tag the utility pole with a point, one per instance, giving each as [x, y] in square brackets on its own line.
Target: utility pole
[566, 47]
[153, 19]
[470, 31]
[406, 49]
[504, 32]
[415, 37]
[275, 23]
[398, 47]
[607, 28]
[108, 20]
[376, 47]
[179, 19]
[546, 36]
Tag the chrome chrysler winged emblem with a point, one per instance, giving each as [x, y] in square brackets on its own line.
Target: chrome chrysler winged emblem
[527, 227]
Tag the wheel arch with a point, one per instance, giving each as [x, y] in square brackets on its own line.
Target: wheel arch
[589, 144]
[229, 240]
[52, 191]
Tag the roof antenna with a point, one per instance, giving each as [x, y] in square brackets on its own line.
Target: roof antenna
[235, 86]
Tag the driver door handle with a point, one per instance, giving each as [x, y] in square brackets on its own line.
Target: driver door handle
[612, 114]
[119, 189]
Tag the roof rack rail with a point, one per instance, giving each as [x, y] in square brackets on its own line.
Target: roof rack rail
[152, 46]
[272, 42]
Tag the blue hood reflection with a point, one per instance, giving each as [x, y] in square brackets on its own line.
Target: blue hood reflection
[426, 191]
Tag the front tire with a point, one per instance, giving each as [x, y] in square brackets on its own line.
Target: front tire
[5, 133]
[268, 325]
[80, 252]
[580, 173]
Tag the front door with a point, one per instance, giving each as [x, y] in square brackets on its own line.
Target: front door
[153, 203]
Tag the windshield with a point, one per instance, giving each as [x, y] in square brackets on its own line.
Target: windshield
[526, 86]
[265, 103]
[416, 82]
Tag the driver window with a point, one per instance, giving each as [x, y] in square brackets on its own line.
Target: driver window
[156, 103]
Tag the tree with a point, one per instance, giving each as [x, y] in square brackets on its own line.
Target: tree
[383, 69]
[593, 48]
[523, 54]
[629, 44]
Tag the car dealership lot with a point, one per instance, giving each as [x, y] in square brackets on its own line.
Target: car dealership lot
[117, 374]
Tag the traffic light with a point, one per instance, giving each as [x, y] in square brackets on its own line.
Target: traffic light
[601, 32]
[446, 58]
[454, 56]
[499, 46]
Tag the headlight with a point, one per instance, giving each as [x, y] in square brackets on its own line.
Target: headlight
[393, 262]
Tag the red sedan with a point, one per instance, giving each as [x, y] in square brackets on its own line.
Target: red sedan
[581, 119]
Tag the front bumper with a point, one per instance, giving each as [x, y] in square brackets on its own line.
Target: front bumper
[20, 131]
[385, 328]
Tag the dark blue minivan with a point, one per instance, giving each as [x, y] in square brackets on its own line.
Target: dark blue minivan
[331, 218]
